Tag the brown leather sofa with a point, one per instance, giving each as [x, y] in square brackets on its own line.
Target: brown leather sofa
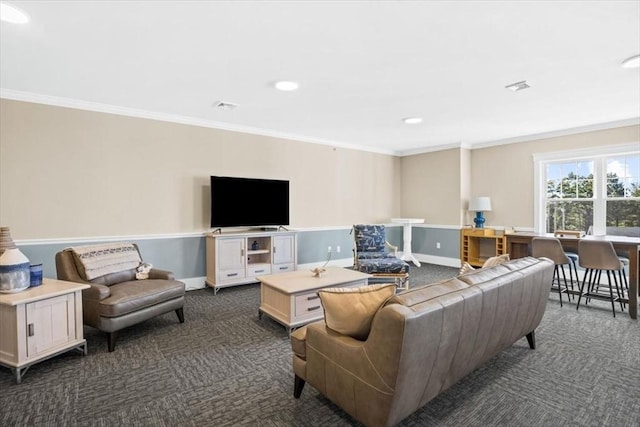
[423, 340]
[117, 300]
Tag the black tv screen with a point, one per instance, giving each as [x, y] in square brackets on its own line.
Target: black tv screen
[249, 202]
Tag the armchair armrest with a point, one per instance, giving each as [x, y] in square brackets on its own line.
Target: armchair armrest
[96, 292]
[155, 273]
[392, 247]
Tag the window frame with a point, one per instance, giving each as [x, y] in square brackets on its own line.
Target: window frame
[599, 156]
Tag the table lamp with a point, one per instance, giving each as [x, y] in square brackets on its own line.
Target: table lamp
[479, 205]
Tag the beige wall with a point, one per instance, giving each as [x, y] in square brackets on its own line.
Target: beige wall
[505, 173]
[70, 173]
[432, 186]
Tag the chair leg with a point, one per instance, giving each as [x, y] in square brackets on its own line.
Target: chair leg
[556, 277]
[584, 281]
[111, 340]
[619, 290]
[180, 313]
[298, 385]
[613, 303]
[531, 339]
[564, 279]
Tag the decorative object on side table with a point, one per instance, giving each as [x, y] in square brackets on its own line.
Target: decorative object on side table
[15, 275]
[36, 275]
[318, 271]
[479, 205]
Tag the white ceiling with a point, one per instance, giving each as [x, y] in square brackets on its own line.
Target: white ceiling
[362, 66]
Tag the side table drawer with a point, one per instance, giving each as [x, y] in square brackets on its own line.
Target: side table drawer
[307, 304]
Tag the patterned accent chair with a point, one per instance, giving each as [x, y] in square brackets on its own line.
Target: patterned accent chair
[372, 256]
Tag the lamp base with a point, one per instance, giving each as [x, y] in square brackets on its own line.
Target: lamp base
[479, 219]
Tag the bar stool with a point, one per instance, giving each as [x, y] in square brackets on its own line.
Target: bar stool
[551, 248]
[596, 256]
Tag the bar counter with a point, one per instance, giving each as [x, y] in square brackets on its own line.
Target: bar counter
[519, 245]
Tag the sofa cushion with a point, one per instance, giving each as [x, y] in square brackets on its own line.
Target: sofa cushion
[127, 297]
[420, 294]
[350, 311]
[466, 267]
[496, 260]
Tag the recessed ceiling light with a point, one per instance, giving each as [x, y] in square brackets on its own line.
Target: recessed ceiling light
[12, 14]
[633, 62]
[226, 106]
[412, 120]
[286, 86]
[518, 86]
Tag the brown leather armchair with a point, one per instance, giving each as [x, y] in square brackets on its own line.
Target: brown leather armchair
[118, 300]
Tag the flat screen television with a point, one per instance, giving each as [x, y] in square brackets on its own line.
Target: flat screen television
[249, 202]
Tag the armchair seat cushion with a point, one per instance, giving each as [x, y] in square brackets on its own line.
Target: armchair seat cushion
[375, 255]
[128, 297]
[383, 266]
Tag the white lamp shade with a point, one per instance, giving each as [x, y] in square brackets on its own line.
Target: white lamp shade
[480, 204]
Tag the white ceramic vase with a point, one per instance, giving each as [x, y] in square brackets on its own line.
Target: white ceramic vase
[14, 271]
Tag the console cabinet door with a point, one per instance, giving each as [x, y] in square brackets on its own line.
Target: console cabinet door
[50, 323]
[283, 249]
[231, 258]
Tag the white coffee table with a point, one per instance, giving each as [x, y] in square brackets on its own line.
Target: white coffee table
[292, 300]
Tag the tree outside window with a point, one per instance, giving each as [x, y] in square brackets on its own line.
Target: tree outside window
[578, 192]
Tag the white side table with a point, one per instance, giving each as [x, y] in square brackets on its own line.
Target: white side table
[407, 255]
[39, 323]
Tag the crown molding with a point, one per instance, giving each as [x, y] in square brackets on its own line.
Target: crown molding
[560, 132]
[191, 121]
[77, 104]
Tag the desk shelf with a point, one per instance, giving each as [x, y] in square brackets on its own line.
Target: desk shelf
[479, 244]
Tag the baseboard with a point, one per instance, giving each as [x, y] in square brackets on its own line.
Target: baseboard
[343, 262]
[438, 260]
[193, 283]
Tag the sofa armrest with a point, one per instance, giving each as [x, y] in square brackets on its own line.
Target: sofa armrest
[326, 347]
[96, 292]
[155, 273]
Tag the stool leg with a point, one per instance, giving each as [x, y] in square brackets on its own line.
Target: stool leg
[618, 290]
[564, 278]
[584, 281]
[556, 277]
[613, 304]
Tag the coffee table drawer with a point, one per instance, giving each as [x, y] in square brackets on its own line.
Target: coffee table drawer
[307, 304]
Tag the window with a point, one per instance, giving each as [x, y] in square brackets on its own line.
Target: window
[596, 191]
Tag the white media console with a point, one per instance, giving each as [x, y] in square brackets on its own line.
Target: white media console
[237, 258]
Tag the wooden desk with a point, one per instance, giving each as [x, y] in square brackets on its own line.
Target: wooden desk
[519, 245]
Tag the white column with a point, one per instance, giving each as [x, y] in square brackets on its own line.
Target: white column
[407, 255]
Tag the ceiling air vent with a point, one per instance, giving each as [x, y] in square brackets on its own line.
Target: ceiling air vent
[518, 86]
[226, 106]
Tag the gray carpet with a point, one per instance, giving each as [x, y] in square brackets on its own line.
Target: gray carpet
[225, 367]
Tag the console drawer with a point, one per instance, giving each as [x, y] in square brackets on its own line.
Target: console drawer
[258, 270]
[282, 268]
[231, 275]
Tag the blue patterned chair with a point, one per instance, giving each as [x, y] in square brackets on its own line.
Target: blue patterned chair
[375, 256]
